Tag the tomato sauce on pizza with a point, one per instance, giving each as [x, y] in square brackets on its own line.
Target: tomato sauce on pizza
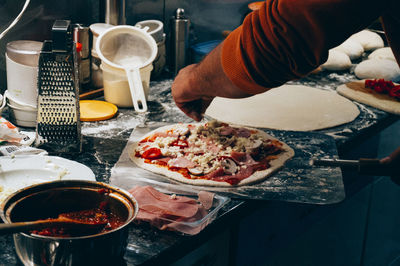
[384, 87]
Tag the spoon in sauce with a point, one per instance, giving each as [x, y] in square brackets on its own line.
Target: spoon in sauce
[60, 221]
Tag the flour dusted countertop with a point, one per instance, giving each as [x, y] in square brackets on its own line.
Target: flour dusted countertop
[104, 141]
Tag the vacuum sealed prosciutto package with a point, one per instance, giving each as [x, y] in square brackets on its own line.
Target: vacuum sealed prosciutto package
[188, 214]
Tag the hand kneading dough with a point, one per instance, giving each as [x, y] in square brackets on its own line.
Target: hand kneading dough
[352, 48]
[368, 39]
[382, 53]
[337, 61]
[377, 69]
[289, 107]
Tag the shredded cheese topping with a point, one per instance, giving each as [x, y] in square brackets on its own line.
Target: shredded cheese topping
[205, 143]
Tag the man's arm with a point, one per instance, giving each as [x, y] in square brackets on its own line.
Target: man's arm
[196, 85]
[286, 39]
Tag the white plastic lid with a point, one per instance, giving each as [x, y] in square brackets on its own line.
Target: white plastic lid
[24, 52]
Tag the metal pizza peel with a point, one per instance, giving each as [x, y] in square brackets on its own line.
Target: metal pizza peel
[297, 181]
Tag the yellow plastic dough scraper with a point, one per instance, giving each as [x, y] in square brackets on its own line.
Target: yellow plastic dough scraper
[93, 110]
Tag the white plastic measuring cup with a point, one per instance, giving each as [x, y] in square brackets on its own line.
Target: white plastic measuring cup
[128, 48]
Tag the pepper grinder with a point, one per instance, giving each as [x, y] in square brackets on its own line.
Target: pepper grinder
[179, 41]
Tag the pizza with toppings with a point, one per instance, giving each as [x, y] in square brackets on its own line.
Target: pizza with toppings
[211, 154]
[378, 93]
[384, 87]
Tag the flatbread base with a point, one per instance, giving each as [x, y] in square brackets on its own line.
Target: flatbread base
[356, 91]
[289, 107]
[256, 177]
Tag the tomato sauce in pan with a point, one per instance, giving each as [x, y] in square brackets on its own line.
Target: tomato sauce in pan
[99, 215]
[92, 216]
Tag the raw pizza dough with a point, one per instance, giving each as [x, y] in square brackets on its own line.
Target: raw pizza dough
[256, 177]
[356, 91]
[382, 53]
[378, 69]
[337, 61]
[289, 107]
[369, 40]
[352, 48]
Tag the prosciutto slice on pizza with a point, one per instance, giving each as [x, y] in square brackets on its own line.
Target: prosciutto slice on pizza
[211, 154]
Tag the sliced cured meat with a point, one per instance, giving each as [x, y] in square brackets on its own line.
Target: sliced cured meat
[225, 131]
[181, 162]
[235, 178]
[206, 199]
[243, 132]
[168, 212]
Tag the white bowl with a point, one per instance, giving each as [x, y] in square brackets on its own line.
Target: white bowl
[155, 28]
[18, 103]
[22, 117]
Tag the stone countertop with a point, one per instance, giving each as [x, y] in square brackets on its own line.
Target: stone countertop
[104, 141]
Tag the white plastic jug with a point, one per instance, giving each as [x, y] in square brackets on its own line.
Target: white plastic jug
[128, 48]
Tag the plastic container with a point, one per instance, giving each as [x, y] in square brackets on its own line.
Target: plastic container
[184, 225]
[17, 103]
[116, 86]
[96, 74]
[97, 29]
[22, 117]
[155, 29]
[21, 114]
[129, 49]
[22, 59]
[199, 224]
[22, 82]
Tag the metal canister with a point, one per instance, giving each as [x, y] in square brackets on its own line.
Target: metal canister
[114, 12]
[179, 41]
[81, 35]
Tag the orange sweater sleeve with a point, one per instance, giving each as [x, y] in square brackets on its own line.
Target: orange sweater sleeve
[286, 39]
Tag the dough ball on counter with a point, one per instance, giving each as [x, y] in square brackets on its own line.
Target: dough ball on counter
[382, 53]
[368, 39]
[337, 61]
[378, 69]
[352, 48]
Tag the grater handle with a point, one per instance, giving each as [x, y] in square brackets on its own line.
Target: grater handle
[61, 35]
[136, 88]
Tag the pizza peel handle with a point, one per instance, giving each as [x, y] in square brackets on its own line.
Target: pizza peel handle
[364, 166]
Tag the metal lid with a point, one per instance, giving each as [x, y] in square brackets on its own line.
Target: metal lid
[24, 52]
[180, 13]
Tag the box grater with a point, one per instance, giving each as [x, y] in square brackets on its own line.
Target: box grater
[58, 117]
